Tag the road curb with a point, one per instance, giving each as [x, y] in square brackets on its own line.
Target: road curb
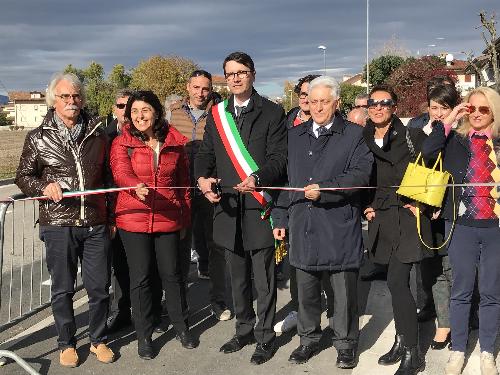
[7, 181]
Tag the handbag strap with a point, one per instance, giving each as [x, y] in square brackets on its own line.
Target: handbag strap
[417, 214]
[410, 144]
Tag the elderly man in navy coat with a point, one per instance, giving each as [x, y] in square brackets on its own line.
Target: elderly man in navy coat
[325, 226]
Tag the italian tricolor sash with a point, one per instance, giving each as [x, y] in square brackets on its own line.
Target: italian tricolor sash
[241, 159]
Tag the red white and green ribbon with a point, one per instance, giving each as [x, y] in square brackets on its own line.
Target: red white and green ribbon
[240, 157]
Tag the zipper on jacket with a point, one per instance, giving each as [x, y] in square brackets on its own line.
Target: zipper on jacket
[79, 171]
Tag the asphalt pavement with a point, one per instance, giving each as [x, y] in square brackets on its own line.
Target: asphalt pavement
[38, 344]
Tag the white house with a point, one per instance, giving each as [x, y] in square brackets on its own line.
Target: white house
[27, 108]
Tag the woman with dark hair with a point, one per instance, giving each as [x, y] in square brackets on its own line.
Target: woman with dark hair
[470, 155]
[152, 218]
[435, 268]
[392, 234]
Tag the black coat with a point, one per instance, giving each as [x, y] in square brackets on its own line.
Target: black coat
[419, 122]
[264, 136]
[112, 130]
[456, 157]
[325, 234]
[394, 229]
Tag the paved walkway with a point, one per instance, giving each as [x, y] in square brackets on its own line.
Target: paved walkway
[37, 344]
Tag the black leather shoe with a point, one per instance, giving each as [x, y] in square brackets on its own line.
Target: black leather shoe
[237, 343]
[187, 340]
[145, 349]
[263, 353]
[439, 345]
[346, 358]
[425, 316]
[118, 321]
[411, 363]
[303, 353]
[395, 354]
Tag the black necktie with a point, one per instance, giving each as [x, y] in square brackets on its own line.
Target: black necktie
[322, 130]
[239, 117]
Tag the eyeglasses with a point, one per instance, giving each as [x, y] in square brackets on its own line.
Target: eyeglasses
[361, 106]
[66, 97]
[482, 109]
[241, 74]
[120, 105]
[384, 103]
[303, 95]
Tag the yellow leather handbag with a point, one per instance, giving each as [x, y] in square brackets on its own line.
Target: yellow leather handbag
[425, 185]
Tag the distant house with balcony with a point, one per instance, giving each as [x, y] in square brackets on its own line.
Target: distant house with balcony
[26, 108]
[466, 80]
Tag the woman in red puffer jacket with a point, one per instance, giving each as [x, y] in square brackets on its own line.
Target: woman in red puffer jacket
[151, 222]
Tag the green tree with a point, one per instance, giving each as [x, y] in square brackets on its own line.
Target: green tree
[289, 98]
[382, 67]
[164, 75]
[78, 72]
[347, 95]
[224, 93]
[118, 77]
[4, 121]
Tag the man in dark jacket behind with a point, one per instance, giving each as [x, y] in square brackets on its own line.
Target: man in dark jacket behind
[68, 151]
[189, 116]
[325, 227]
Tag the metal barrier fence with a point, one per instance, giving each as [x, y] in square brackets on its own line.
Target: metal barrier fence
[24, 279]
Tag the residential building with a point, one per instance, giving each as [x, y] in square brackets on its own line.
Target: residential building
[27, 109]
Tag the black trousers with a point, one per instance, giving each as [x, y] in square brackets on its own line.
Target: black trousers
[345, 319]
[64, 246]
[211, 258]
[142, 249]
[120, 280]
[240, 264]
[403, 304]
[294, 293]
[120, 303]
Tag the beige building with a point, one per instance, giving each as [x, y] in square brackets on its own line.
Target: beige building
[27, 109]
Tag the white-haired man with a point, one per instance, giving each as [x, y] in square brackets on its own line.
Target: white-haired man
[68, 152]
[325, 226]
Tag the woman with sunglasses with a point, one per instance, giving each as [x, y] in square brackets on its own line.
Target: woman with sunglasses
[152, 218]
[471, 156]
[392, 235]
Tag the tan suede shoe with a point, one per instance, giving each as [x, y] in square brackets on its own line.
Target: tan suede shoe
[103, 353]
[68, 357]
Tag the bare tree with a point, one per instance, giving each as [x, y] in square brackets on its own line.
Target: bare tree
[477, 70]
[489, 34]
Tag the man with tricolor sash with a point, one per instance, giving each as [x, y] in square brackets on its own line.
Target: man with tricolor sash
[244, 147]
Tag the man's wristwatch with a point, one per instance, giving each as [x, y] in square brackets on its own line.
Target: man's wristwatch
[257, 179]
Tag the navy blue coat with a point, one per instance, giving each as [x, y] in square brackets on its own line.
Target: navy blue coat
[325, 234]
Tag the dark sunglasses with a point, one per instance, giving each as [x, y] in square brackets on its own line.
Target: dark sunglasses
[303, 95]
[482, 109]
[372, 103]
[120, 105]
[360, 106]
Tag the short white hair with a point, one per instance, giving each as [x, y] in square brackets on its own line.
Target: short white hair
[326, 81]
[58, 77]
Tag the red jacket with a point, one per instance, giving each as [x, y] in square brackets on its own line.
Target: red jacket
[164, 210]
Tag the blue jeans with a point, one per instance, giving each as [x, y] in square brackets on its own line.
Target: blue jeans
[474, 249]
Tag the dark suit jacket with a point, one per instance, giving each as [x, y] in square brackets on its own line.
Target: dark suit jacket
[112, 130]
[264, 136]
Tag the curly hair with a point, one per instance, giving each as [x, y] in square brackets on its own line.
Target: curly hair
[303, 80]
[160, 126]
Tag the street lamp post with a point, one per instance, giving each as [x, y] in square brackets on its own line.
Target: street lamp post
[367, 44]
[322, 47]
[291, 103]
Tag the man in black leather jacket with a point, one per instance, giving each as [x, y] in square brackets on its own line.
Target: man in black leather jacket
[68, 152]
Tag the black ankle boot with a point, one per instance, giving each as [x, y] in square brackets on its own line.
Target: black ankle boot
[395, 354]
[145, 348]
[412, 362]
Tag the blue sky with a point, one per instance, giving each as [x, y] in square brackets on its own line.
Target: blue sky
[38, 38]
